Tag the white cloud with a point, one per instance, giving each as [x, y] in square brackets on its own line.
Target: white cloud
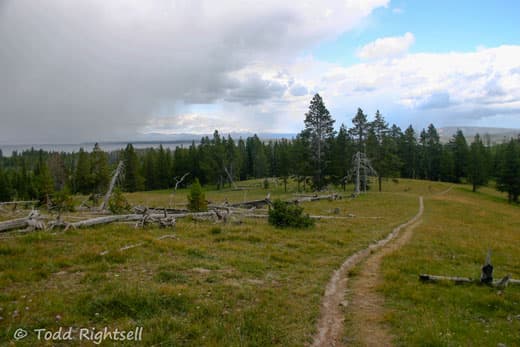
[386, 47]
[475, 88]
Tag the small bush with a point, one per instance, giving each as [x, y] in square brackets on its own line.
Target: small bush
[196, 198]
[118, 203]
[62, 201]
[283, 215]
[265, 184]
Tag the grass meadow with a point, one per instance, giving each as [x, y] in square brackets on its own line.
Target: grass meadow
[251, 284]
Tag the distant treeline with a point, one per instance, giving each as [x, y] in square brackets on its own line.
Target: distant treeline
[313, 158]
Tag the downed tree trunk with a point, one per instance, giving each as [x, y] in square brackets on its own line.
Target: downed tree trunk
[14, 224]
[460, 280]
[132, 218]
[434, 278]
[252, 203]
[32, 221]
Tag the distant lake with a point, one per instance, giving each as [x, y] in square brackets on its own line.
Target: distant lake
[7, 150]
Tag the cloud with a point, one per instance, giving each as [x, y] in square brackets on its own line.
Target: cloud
[299, 90]
[434, 101]
[469, 88]
[386, 47]
[93, 70]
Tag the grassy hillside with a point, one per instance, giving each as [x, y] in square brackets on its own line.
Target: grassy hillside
[458, 229]
[251, 284]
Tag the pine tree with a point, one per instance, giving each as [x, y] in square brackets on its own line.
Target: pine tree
[100, 171]
[148, 170]
[196, 198]
[508, 179]
[460, 150]
[44, 181]
[5, 189]
[359, 131]
[478, 164]
[319, 127]
[82, 174]
[382, 149]
[132, 178]
[408, 152]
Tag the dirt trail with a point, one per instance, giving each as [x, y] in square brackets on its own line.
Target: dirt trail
[330, 324]
[366, 306]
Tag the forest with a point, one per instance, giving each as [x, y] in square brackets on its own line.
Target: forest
[316, 157]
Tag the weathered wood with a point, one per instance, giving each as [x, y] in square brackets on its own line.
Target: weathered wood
[499, 284]
[434, 278]
[31, 222]
[179, 181]
[252, 203]
[113, 181]
[155, 217]
[14, 224]
[486, 276]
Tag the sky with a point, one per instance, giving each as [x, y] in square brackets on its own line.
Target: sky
[98, 70]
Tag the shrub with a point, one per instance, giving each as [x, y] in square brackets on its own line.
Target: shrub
[118, 203]
[283, 215]
[62, 201]
[196, 198]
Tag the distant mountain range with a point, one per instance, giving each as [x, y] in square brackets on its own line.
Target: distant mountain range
[186, 137]
[495, 135]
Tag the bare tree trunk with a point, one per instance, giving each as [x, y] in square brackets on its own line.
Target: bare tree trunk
[111, 187]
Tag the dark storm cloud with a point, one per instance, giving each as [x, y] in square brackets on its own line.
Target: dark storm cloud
[96, 69]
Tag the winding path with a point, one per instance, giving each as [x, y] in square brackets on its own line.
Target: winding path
[330, 325]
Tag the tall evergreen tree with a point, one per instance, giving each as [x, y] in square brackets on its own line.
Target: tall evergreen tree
[460, 150]
[508, 179]
[133, 181]
[342, 152]
[5, 189]
[44, 181]
[478, 170]
[408, 153]
[319, 127]
[82, 174]
[359, 131]
[100, 171]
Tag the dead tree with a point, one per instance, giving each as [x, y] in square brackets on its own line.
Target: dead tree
[115, 176]
[178, 181]
[362, 168]
[230, 178]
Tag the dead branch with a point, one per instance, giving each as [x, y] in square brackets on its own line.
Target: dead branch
[179, 181]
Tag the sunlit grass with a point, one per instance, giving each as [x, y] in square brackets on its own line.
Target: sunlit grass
[215, 285]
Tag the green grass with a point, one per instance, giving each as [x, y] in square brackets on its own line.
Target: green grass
[255, 285]
[457, 231]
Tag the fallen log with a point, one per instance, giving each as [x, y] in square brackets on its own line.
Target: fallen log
[13, 224]
[434, 278]
[31, 222]
[252, 203]
[132, 218]
[461, 280]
